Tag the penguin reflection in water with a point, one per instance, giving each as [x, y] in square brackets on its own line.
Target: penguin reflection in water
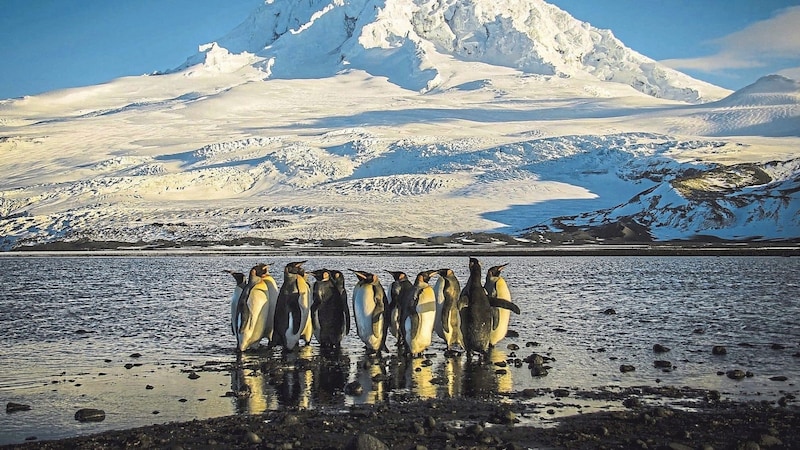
[369, 307]
[330, 314]
[292, 311]
[253, 307]
[420, 314]
[476, 312]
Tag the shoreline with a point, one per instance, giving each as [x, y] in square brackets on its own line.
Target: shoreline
[643, 249]
[700, 420]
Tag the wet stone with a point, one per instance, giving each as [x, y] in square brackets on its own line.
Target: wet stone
[90, 415]
[366, 441]
[662, 364]
[16, 407]
[658, 348]
[609, 311]
[193, 375]
[719, 350]
[736, 374]
[626, 368]
[778, 378]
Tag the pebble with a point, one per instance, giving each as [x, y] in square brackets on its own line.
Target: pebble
[366, 441]
[609, 312]
[253, 438]
[626, 368]
[778, 378]
[719, 350]
[561, 392]
[662, 364]
[90, 415]
[15, 407]
[736, 374]
[658, 348]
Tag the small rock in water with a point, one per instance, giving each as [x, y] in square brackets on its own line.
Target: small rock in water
[736, 374]
[609, 312]
[136, 355]
[538, 371]
[658, 348]
[14, 407]
[662, 364]
[149, 387]
[626, 368]
[779, 378]
[777, 346]
[90, 415]
[512, 346]
[699, 331]
[561, 392]
[193, 375]
[719, 350]
[512, 334]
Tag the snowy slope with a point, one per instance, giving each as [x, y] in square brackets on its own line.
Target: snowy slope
[271, 133]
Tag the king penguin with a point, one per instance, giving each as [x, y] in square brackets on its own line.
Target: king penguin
[497, 287]
[293, 308]
[328, 311]
[476, 312]
[420, 314]
[255, 307]
[369, 306]
[400, 285]
[448, 320]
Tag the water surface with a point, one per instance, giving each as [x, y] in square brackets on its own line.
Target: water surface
[72, 324]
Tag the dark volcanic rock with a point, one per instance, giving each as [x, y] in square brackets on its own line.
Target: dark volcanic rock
[366, 441]
[15, 407]
[719, 350]
[90, 415]
[658, 348]
[626, 368]
[736, 374]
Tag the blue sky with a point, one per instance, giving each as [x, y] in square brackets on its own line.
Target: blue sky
[53, 44]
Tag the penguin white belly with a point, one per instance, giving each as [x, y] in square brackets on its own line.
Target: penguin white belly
[504, 315]
[363, 308]
[306, 325]
[438, 290]
[451, 336]
[253, 329]
[272, 300]
[235, 309]
[426, 313]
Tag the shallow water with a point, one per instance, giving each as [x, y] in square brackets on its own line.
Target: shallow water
[71, 324]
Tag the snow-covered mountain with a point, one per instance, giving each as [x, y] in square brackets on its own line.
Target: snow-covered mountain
[362, 119]
[411, 42]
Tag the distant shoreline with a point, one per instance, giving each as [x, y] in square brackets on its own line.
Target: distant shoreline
[788, 249]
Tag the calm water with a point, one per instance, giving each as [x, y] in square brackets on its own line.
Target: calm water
[71, 324]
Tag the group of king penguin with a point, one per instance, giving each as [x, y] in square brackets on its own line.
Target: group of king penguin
[474, 318]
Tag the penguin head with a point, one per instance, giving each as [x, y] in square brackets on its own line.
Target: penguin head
[426, 275]
[398, 276]
[321, 274]
[295, 268]
[261, 269]
[494, 271]
[363, 277]
[445, 272]
[238, 276]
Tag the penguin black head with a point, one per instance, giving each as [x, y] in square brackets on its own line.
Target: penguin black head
[494, 271]
[398, 276]
[445, 272]
[238, 276]
[321, 274]
[261, 269]
[364, 277]
[426, 275]
[295, 268]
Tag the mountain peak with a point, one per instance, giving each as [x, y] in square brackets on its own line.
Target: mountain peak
[417, 44]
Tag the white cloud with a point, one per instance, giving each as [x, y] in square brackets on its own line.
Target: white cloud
[792, 72]
[757, 45]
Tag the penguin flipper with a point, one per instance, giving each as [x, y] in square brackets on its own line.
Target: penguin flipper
[495, 317]
[505, 304]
